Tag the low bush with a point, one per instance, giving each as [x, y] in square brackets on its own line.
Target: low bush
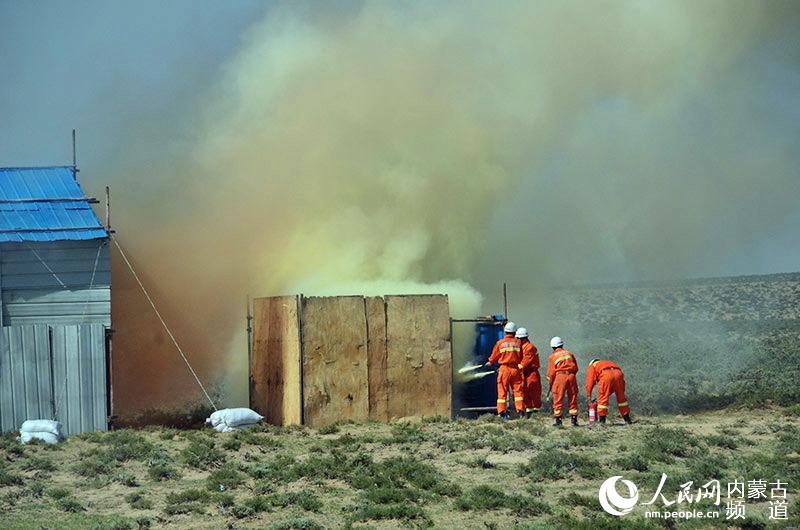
[202, 453]
[224, 479]
[70, 504]
[138, 501]
[402, 512]
[297, 523]
[483, 498]
[8, 478]
[329, 429]
[558, 464]
[632, 461]
[188, 501]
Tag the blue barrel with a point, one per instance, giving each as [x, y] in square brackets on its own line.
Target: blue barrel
[481, 392]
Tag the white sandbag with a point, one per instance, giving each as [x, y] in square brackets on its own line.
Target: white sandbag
[221, 427]
[51, 426]
[234, 417]
[46, 437]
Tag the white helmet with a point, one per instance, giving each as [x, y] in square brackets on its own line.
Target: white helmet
[521, 333]
[556, 342]
[510, 327]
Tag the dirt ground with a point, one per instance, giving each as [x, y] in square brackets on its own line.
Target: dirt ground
[408, 474]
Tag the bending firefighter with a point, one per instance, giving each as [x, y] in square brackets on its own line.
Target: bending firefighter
[532, 383]
[561, 370]
[610, 380]
[507, 352]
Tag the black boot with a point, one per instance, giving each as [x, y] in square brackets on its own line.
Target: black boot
[575, 420]
[602, 420]
[627, 418]
[557, 422]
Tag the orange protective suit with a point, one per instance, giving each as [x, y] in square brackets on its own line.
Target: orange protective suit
[561, 369]
[610, 380]
[530, 374]
[507, 352]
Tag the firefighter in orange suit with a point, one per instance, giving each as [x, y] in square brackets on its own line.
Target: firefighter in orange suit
[561, 369]
[507, 352]
[530, 373]
[610, 380]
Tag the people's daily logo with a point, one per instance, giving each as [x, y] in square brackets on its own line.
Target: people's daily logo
[614, 503]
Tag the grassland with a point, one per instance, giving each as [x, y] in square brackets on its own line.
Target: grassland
[438, 473]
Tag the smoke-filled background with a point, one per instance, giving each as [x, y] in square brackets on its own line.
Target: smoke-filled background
[377, 148]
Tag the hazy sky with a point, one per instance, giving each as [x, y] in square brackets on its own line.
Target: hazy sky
[101, 66]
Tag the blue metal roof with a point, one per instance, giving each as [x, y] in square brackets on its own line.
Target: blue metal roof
[45, 204]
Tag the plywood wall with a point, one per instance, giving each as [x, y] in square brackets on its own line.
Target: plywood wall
[275, 371]
[418, 356]
[320, 360]
[376, 359]
[335, 382]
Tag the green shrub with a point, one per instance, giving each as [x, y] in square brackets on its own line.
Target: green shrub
[634, 461]
[7, 478]
[305, 499]
[138, 501]
[70, 504]
[94, 463]
[329, 429]
[115, 523]
[258, 504]
[58, 493]
[664, 443]
[10, 445]
[407, 432]
[558, 464]
[162, 471]
[481, 462]
[232, 444]
[575, 499]
[188, 501]
[36, 490]
[125, 444]
[488, 498]
[298, 523]
[126, 479]
[38, 463]
[225, 478]
[722, 441]
[402, 512]
[202, 454]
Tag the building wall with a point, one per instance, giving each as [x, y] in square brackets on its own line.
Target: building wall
[32, 295]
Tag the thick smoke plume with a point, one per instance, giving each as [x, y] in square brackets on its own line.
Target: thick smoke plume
[438, 147]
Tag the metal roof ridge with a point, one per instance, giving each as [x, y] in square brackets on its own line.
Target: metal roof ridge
[17, 168]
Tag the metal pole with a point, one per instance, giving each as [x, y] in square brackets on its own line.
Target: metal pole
[250, 380]
[249, 329]
[108, 208]
[505, 302]
[74, 154]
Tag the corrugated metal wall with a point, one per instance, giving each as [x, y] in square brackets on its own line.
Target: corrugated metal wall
[57, 372]
[31, 294]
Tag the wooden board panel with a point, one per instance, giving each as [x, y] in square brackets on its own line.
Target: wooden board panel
[335, 377]
[418, 357]
[275, 362]
[376, 359]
